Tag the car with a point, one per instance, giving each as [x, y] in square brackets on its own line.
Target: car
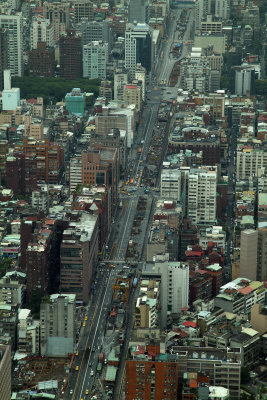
[86, 318]
[90, 364]
[93, 349]
[77, 353]
[92, 373]
[87, 391]
[77, 368]
[84, 323]
[71, 391]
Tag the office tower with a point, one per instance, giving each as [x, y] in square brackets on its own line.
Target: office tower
[83, 9]
[151, 375]
[58, 333]
[244, 78]
[79, 255]
[95, 56]
[59, 16]
[201, 201]
[42, 61]
[262, 255]
[5, 372]
[13, 25]
[94, 31]
[120, 81]
[70, 51]
[138, 47]
[202, 9]
[174, 288]
[248, 254]
[3, 55]
[42, 31]
[138, 11]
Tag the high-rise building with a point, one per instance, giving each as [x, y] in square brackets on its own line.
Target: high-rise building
[174, 288]
[59, 16]
[248, 254]
[151, 375]
[140, 76]
[3, 55]
[70, 50]
[94, 31]
[75, 174]
[250, 162]
[133, 95]
[79, 255]
[138, 47]
[42, 31]
[138, 11]
[58, 333]
[262, 255]
[28, 333]
[42, 61]
[202, 9]
[83, 9]
[13, 25]
[170, 184]
[244, 78]
[120, 80]
[222, 9]
[5, 372]
[21, 173]
[95, 56]
[201, 200]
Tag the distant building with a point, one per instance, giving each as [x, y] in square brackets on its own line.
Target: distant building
[170, 184]
[42, 31]
[75, 102]
[133, 95]
[3, 55]
[120, 81]
[83, 9]
[58, 15]
[244, 80]
[70, 51]
[138, 11]
[13, 25]
[94, 31]
[58, 332]
[5, 372]
[95, 56]
[248, 254]
[28, 333]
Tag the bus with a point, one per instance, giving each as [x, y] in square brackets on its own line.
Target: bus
[99, 368]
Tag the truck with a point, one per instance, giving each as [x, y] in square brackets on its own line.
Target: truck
[139, 150]
[135, 282]
[101, 358]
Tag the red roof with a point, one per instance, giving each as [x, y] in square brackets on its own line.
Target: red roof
[131, 86]
[32, 101]
[193, 383]
[189, 323]
[246, 290]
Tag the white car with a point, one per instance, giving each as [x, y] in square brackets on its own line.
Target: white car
[92, 373]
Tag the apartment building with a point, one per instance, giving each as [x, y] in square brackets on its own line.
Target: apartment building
[223, 366]
[5, 372]
[83, 9]
[133, 95]
[58, 331]
[95, 56]
[170, 184]
[146, 306]
[201, 201]
[151, 375]
[75, 172]
[248, 253]
[79, 255]
[3, 55]
[28, 333]
[120, 81]
[250, 162]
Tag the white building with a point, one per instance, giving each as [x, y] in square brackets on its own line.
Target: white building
[13, 24]
[28, 333]
[40, 199]
[214, 234]
[75, 172]
[170, 184]
[95, 57]
[250, 162]
[201, 201]
[174, 288]
[42, 31]
[140, 75]
[242, 81]
[10, 96]
[58, 333]
[222, 9]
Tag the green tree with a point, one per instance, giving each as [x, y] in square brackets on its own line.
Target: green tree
[5, 264]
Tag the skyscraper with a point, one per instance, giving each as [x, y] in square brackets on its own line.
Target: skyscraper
[58, 15]
[70, 50]
[202, 9]
[13, 25]
[138, 11]
[138, 47]
[42, 31]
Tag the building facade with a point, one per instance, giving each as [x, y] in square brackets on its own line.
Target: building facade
[13, 26]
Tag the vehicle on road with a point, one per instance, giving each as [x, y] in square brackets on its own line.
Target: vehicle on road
[77, 353]
[86, 318]
[77, 368]
[71, 391]
[87, 391]
[111, 266]
[84, 323]
[92, 373]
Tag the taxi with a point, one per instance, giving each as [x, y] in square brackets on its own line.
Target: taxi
[77, 368]
[77, 353]
[86, 318]
[87, 391]
[84, 323]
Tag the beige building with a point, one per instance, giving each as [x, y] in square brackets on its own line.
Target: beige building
[133, 95]
[248, 254]
[146, 306]
[250, 162]
[5, 372]
[34, 127]
[216, 40]
[259, 318]
[210, 26]
[262, 255]
[58, 15]
[83, 9]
